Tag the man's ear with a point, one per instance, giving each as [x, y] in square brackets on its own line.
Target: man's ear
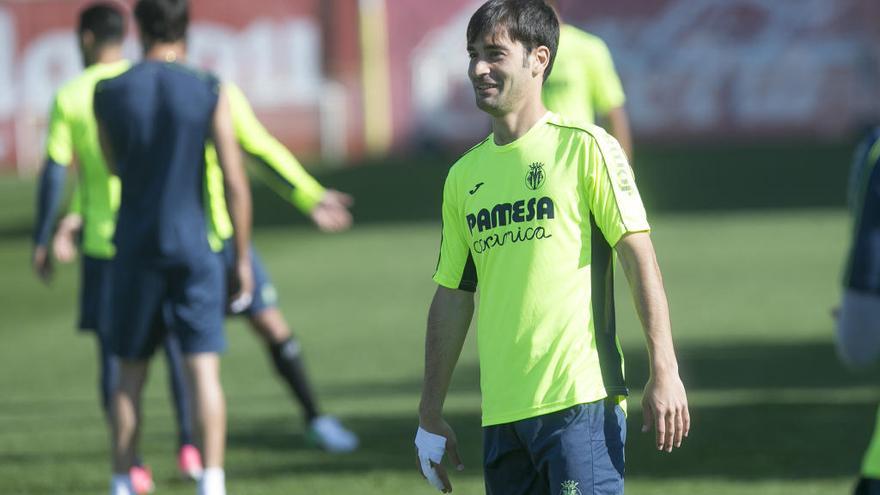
[87, 39]
[540, 60]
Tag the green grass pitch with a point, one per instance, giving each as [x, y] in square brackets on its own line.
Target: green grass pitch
[750, 293]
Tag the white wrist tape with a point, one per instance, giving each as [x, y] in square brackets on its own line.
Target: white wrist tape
[430, 448]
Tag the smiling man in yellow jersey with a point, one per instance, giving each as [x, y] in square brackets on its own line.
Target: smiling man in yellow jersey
[327, 208]
[532, 218]
[584, 84]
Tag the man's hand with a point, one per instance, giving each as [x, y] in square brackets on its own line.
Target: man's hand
[242, 285]
[331, 213]
[430, 449]
[665, 408]
[64, 241]
[42, 263]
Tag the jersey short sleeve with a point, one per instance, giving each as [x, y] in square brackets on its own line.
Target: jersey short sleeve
[59, 142]
[612, 195]
[455, 266]
[606, 88]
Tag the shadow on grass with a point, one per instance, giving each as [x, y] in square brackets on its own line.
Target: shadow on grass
[703, 367]
[804, 437]
[748, 437]
[750, 442]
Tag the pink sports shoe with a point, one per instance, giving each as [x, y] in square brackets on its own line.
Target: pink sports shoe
[189, 462]
[141, 479]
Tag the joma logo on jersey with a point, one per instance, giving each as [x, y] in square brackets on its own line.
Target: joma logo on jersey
[535, 177]
[516, 212]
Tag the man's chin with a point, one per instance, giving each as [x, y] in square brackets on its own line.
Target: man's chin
[487, 105]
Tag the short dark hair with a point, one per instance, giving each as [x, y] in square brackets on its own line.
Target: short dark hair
[162, 20]
[105, 21]
[530, 22]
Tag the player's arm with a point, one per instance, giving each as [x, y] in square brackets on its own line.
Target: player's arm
[448, 321]
[59, 153]
[276, 165]
[617, 207]
[664, 404]
[449, 318]
[64, 241]
[238, 198]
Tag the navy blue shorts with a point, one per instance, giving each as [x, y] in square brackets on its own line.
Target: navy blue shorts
[151, 298]
[576, 451]
[265, 295]
[94, 295]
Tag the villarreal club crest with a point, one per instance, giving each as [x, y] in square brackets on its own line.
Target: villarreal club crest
[535, 177]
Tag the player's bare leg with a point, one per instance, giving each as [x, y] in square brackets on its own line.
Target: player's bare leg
[210, 415]
[209, 405]
[325, 431]
[126, 421]
[271, 325]
[107, 377]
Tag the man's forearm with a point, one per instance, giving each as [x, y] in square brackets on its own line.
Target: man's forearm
[448, 321]
[664, 404]
[643, 274]
[276, 166]
[238, 199]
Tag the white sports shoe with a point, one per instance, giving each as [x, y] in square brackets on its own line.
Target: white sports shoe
[328, 433]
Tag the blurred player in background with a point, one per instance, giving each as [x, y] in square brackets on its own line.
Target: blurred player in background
[858, 323]
[584, 84]
[73, 136]
[534, 214]
[154, 122]
[327, 208]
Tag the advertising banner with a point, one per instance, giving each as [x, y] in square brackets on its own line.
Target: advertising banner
[691, 69]
[273, 49]
[338, 78]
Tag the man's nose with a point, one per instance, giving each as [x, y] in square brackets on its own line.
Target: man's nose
[479, 68]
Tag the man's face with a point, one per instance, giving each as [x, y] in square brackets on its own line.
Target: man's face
[501, 73]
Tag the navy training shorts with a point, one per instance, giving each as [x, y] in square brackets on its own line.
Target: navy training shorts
[151, 298]
[575, 451]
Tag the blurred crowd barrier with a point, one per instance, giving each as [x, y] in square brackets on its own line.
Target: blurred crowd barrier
[339, 79]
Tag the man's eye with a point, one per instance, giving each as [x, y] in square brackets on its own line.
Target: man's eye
[472, 55]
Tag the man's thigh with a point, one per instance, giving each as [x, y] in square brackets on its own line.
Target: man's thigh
[196, 305]
[579, 450]
[507, 466]
[136, 323]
